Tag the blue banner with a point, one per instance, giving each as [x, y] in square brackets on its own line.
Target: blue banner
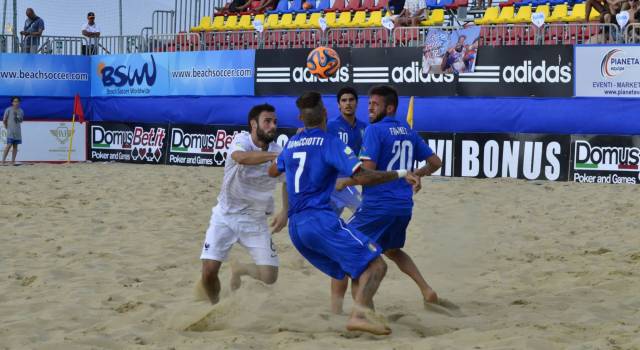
[41, 75]
[135, 75]
[207, 73]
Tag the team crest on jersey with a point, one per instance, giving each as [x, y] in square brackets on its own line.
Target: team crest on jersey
[348, 151]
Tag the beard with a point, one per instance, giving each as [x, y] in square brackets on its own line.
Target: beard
[265, 136]
[378, 117]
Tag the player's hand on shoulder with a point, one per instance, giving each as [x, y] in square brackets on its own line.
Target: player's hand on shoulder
[414, 181]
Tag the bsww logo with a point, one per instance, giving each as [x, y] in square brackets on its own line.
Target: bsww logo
[589, 157]
[122, 75]
[511, 158]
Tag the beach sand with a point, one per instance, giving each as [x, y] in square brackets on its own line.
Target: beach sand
[107, 256]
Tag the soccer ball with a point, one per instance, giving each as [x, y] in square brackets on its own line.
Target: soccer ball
[323, 62]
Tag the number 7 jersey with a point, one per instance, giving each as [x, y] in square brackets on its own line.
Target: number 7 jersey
[392, 145]
[311, 161]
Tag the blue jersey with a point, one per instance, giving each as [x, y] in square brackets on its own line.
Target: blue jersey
[392, 145]
[351, 135]
[311, 161]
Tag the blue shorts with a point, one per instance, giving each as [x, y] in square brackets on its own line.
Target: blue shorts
[11, 141]
[348, 198]
[329, 245]
[389, 231]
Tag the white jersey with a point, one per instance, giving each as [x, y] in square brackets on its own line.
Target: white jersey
[247, 189]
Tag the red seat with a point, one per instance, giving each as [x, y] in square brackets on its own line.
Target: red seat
[554, 35]
[370, 5]
[456, 4]
[405, 35]
[509, 3]
[353, 5]
[338, 5]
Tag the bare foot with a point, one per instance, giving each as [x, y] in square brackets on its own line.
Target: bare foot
[236, 282]
[431, 296]
[367, 321]
[443, 306]
[336, 306]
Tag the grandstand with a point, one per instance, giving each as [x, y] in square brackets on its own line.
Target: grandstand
[196, 25]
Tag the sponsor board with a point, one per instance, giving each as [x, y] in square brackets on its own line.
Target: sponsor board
[607, 71]
[441, 144]
[132, 75]
[131, 143]
[522, 156]
[207, 73]
[499, 71]
[48, 142]
[605, 159]
[44, 75]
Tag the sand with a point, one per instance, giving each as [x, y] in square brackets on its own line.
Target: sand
[106, 256]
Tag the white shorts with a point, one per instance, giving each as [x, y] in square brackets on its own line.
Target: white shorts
[252, 232]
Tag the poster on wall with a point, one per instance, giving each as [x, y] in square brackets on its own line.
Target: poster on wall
[450, 52]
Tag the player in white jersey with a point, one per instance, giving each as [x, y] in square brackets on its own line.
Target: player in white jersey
[244, 203]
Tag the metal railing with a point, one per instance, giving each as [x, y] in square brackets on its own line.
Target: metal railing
[174, 42]
[8, 44]
[189, 12]
[163, 22]
[632, 33]
[55, 45]
[289, 39]
[358, 37]
[116, 45]
[509, 35]
[580, 33]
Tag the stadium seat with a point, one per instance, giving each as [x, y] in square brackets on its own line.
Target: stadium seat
[456, 4]
[560, 13]
[314, 21]
[259, 17]
[338, 5]
[506, 15]
[330, 19]
[509, 3]
[353, 5]
[205, 22]
[286, 21]
[543, 9]
[436, 18]
[272, 21]
[296, 6]
[343, 20]
[524, 15]
[594, 16]
[374, 20]
[556, 2]
[438, 4]
[245, 23]
[283, 6]
[358, 20]
[577, 13]
[320, 7]
[218, 23]
[370, 5]
[231, 23]
[300, 22]
[489, 16]
[554, 35]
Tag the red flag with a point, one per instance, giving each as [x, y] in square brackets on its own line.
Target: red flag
[77, 109]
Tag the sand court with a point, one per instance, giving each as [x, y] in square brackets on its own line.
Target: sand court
[106, 256]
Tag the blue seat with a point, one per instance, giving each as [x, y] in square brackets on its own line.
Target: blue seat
[296, 6]
[557, 2]
[525, 3]
[324, 4]
[283, 6]
[438, 4]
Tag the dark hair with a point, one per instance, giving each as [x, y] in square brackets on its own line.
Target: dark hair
[347, 90]
[311, 108]
[15, 98]
[256, 110]
[389, 94]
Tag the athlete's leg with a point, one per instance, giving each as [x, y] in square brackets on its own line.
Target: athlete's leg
[338, 290]
[369, 282]
[210, 280]
[406, 265]
[265, 273]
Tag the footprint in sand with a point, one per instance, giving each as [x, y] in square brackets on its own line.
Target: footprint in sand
[444, 307]
[126, 307]
[214, 320]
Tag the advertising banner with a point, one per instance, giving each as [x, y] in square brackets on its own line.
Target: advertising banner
[135, 75]
[451, 51]
[522, 156]
[48, 142]
[441, 144]
[607, 71]
[44, 75]
[605, 159]
[210, 73]
[130, 143]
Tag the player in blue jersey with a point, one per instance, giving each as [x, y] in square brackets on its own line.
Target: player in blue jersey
[350, 130]
[312, 160]
[389, 144]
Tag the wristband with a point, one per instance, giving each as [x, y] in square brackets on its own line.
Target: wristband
[401, 173]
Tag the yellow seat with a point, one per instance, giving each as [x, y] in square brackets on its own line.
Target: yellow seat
[545, 10]
[300, 22]
[286, 21]
[358, 19]
[231, 23]
[374, 20]
[245, 23]
[594, 15]
[524, 15]
[272, 22]
[330, 18]
[560, 12]
[436, 18]
[205, 22]
[314, 21]
[343, 20]
[218, 23]
[577, 13]
[506, 15]
[489, 16]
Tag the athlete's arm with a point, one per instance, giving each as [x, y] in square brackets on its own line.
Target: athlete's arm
[433, 164]
[280, 220]
[345, 182]
[368, 177]
[273, 171]
[253, 157]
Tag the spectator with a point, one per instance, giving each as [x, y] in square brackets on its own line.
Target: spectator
[453, 59]
[412, 14]
[480, 3]
[92, 32]
[237, 6]
[632, 7]
[396, 6]
[13, 117]
[33, 28]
